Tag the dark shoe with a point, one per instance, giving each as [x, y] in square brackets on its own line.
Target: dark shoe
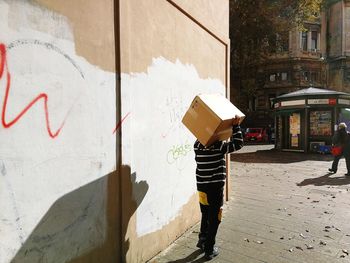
[212, 254]
[200, 244]
[332, 171]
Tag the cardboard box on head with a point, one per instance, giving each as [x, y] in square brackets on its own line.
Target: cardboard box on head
[210, 118]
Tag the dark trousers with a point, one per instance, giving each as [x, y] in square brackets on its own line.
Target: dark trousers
[336, 161]
[211, 216]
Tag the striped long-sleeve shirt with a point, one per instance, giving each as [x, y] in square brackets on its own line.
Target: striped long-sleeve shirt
[211, 164]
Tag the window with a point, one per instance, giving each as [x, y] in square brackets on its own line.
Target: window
[320, 123]
[314, 35]
[314, 76]
[270, 100]
[304, 41]
[285, 44]
[252, 104]
[282, 42]
[272, 77]
[294, 130]
[284, 76]
[254, 130]
[311, 76]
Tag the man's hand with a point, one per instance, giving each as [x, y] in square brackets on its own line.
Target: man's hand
[236, 120]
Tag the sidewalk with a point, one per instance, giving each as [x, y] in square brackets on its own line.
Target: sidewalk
[284, 208]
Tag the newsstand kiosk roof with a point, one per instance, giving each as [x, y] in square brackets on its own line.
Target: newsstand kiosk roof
[312, 92]
[306, 119]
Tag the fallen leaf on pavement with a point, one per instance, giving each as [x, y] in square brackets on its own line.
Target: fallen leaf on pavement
[309, 246]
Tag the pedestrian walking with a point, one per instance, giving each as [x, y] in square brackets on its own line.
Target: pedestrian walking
[341, 140]
[269, 133]
[210, 176]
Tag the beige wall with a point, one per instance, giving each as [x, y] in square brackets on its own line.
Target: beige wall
[93, 28]
[59, 148]
[72, 209]
[212, 15]
[163, 30]
[336, 30]
[324, 15]
[94, 37]
[339, 45]
[93, 25]
[170, 51]
[346, 28]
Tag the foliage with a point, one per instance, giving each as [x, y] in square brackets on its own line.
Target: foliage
[261, 27]
[249, 87]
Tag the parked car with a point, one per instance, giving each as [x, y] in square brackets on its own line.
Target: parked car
[255, 135]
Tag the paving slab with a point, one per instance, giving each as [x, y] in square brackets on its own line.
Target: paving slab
[284, 207]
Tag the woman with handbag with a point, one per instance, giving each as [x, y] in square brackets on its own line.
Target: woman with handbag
[340, 148]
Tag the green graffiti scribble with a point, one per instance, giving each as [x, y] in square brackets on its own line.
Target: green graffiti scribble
[177, 151]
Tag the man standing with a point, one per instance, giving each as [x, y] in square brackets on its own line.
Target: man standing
[341, 139]
[211, 175]
[269, 134]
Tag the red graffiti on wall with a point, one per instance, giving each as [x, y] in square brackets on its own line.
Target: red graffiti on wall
[6, 75]
[120, 122]
[41, 97]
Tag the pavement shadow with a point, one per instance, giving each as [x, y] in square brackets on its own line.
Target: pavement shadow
[276, 156]
[191, 258]
[326, 180]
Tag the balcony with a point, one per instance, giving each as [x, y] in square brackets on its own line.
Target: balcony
[310, 53]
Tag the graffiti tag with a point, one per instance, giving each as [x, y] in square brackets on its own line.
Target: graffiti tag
[119, 124]
[5, 74]
[177, 152]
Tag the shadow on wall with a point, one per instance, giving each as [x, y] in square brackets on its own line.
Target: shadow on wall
[84, 225]
[133, 195]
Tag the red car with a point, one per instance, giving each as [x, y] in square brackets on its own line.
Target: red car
[255, 135]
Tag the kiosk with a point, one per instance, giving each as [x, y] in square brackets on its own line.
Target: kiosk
[307, 118]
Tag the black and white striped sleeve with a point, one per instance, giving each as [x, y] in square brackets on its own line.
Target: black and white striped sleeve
[235, 143]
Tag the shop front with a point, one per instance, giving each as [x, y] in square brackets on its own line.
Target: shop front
[308, 118]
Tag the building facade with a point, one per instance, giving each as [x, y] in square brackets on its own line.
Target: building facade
[95, 163]
[318, 56]
[299, 66]
[307, 118]
[335, 34]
